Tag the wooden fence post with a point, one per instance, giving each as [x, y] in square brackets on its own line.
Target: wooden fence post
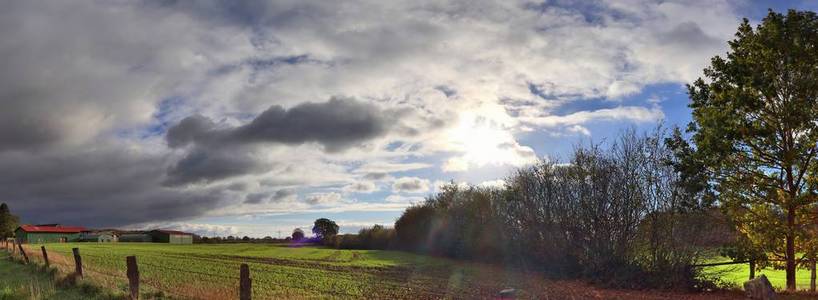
[245, 284]
[133, 276]
[23, 252]
[45, 257]
[77, 261]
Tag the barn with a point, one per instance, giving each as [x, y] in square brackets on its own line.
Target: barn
[171, 236]
[103, 236]
[50, 233]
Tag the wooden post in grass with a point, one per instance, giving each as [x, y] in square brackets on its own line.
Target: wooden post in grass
[77, 261]
[23, 252]
[45, 257]
[245, 284]
[133, 276]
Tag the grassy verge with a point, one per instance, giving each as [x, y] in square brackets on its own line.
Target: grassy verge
[19, 281]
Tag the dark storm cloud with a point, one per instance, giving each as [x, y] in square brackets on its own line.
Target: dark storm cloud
[256, 198]
[107, 186]
[337, 124]
[218, 153]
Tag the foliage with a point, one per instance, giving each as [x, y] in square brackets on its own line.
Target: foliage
[298, 234]
[755, 125]
[375, 237]
[324, 228]
[621, 215]
[8, 222]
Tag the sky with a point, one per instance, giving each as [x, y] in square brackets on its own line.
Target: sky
[256, 117]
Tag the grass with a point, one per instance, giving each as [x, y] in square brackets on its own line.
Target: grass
[280, 271]
[18, 281]
[737, 274]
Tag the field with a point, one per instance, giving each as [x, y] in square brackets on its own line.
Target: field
[739, 273]
[280, 271]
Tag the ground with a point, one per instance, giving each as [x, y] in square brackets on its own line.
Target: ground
[280, 271]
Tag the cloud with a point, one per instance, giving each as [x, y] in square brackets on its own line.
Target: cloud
[256, 198]
[404, 199]
[622, 113]
[324, 199]
[218, 153]
[410, 185]
[361, 187]
[337, 124]
[133, 112]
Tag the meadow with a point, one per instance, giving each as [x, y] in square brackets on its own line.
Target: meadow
[737, 274]
[281, 271]
[210, 271]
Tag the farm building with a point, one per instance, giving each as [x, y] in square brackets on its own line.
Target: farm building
[135, 237]
[50, 233]
[98, 236]
[171, 236]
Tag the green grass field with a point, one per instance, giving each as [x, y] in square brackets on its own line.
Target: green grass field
[280, 271]
[739, 273]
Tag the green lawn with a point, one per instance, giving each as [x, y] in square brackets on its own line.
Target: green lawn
[739, 273]
[280, 271]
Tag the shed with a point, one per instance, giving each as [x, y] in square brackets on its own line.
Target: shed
[171, 236]
[98, 236]
[51, 233]
[135, 238]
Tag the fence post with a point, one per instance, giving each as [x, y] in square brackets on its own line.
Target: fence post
[45, 257]
[23, 252]
[133, 276]
[245, 284]
[77, 261]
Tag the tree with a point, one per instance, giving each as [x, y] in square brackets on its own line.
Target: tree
[755, 125]
[245, 238]
[298, 234]
[8, 222]
[323, 228]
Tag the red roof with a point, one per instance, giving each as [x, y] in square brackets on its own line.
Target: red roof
[57, 229]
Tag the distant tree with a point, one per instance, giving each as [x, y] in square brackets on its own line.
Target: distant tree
[268, 238]
[298, 234]
[755, 125]
[231, 238]
[324, 228]
[8, 222]
[245, 238]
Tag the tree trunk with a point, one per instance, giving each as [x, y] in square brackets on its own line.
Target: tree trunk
[752, 269]
[812, 276]
[790, 255]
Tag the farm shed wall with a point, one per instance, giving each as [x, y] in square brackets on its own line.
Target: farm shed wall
[136, 237]
[44, 237]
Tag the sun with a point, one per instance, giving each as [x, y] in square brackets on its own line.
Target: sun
[482, 143]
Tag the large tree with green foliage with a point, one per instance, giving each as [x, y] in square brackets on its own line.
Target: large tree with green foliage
[8, 222]
[755, 125]
[323, 228]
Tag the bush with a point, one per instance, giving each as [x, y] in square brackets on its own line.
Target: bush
[615, 216]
